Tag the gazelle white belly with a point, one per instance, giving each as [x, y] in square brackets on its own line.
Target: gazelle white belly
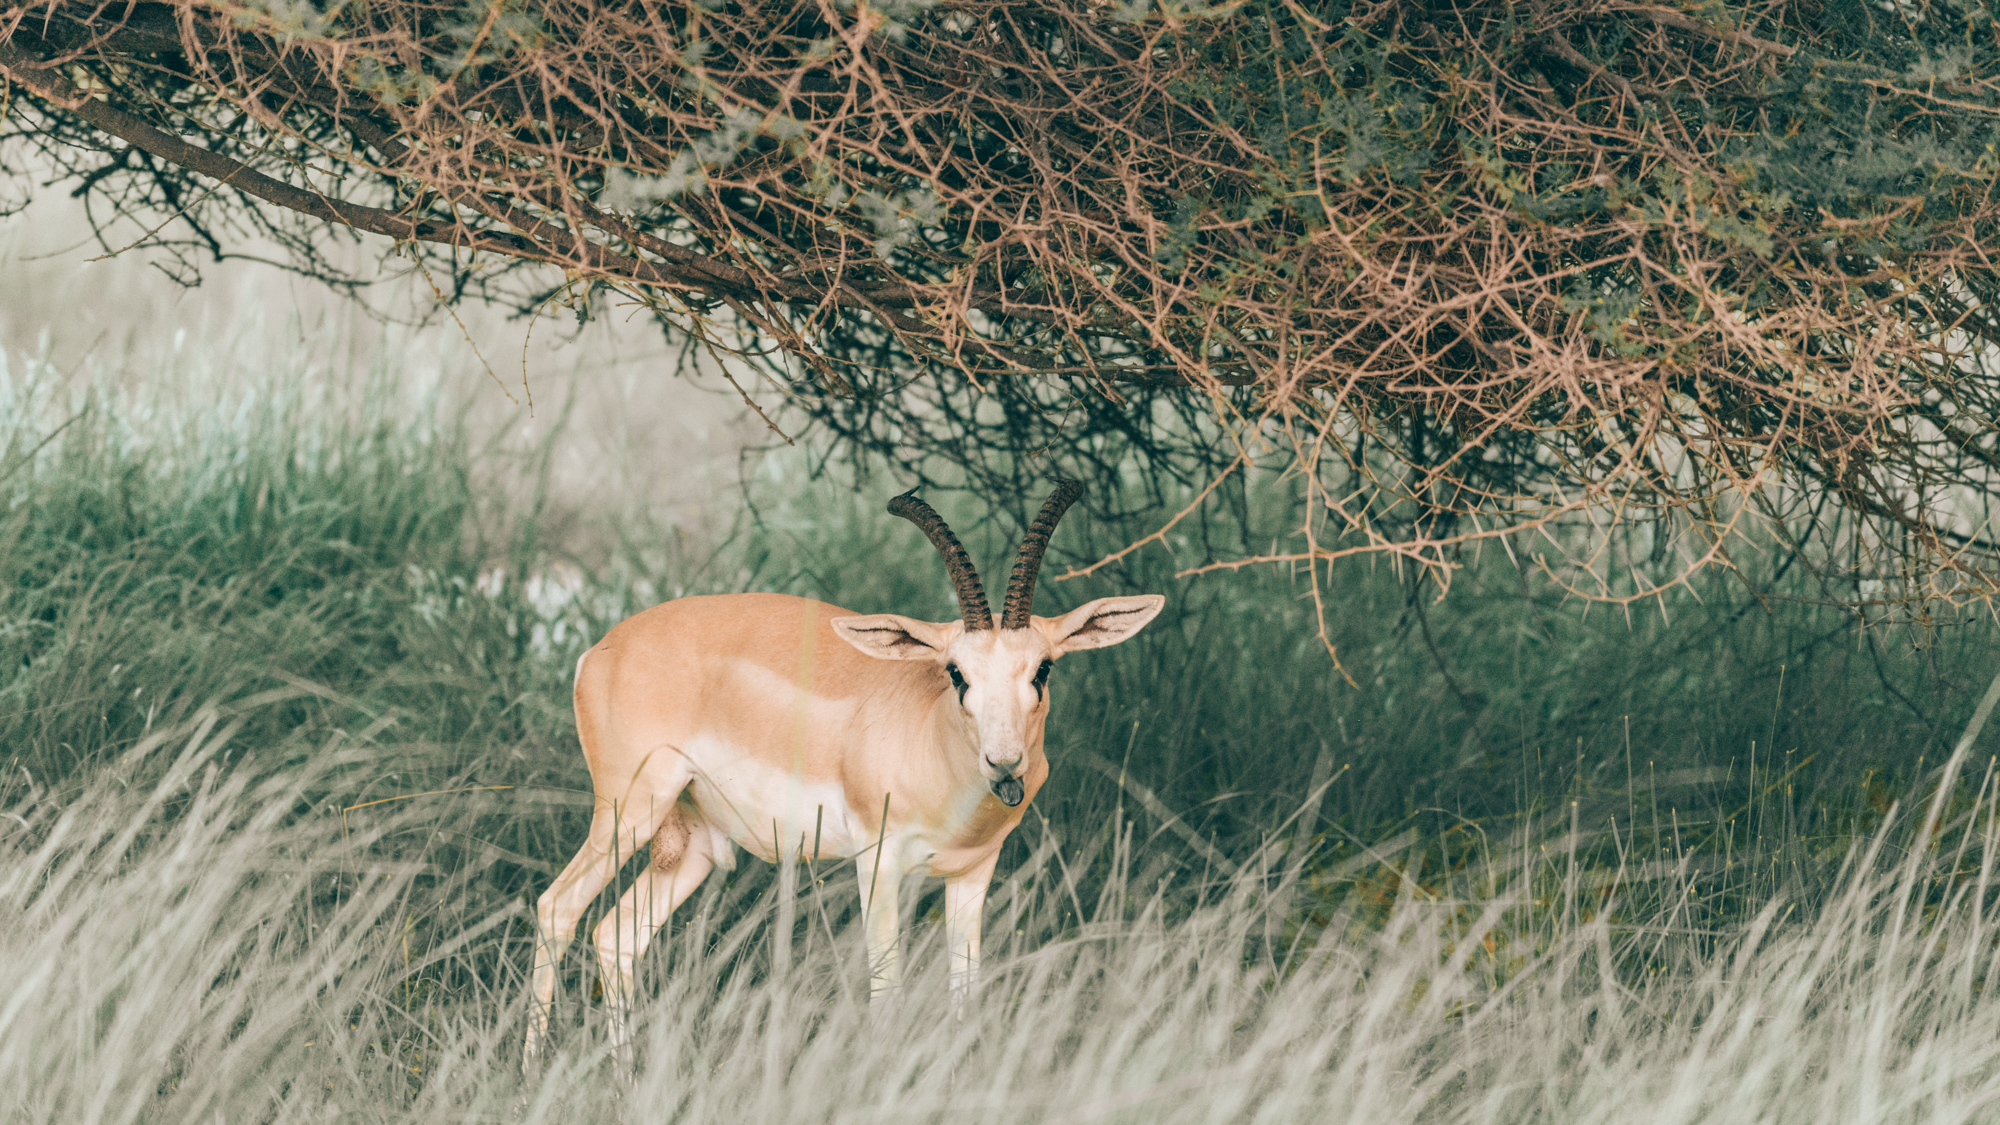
[754, 804]
[751, 804]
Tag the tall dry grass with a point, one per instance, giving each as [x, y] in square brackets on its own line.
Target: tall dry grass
[191, 941]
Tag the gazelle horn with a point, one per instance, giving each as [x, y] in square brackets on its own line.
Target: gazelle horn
[964, 578]
[1021, 587]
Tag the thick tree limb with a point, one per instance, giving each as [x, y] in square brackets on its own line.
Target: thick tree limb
[35, 75]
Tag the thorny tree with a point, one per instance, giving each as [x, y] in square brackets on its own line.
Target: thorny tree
[1493, 269]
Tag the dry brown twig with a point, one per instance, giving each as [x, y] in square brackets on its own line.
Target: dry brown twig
[1465, 272]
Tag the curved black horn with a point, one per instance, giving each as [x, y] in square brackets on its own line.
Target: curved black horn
[964, 578]
[1021, 587]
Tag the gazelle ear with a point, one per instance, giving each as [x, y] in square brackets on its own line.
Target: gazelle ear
[1101, 623]
[888, 636]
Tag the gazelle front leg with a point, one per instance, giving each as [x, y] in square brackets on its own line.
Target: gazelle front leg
[964, 907]
[880, 882]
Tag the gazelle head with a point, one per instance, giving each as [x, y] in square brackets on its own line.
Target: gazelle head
[998, 676]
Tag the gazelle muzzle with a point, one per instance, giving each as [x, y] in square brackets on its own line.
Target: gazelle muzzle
[1004, 780]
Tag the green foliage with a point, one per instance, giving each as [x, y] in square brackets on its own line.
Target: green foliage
[330, 548]
[282, 757]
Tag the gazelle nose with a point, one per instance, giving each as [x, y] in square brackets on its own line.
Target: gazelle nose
[1003, 783]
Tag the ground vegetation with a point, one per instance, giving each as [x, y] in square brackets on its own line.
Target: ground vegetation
[285, 755]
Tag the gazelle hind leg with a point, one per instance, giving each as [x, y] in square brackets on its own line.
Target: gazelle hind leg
[681, 860]
[616, 831]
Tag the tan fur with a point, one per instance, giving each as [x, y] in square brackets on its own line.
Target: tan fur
[784, 725]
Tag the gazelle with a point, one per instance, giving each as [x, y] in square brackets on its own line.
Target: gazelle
[778, 724]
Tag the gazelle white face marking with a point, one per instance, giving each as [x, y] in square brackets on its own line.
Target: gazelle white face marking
[795, 729]
[1004, 694]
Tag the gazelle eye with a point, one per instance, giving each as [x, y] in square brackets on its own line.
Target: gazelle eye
[957, 680]
[1042, 678]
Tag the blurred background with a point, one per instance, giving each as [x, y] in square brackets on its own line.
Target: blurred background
[639, 421]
